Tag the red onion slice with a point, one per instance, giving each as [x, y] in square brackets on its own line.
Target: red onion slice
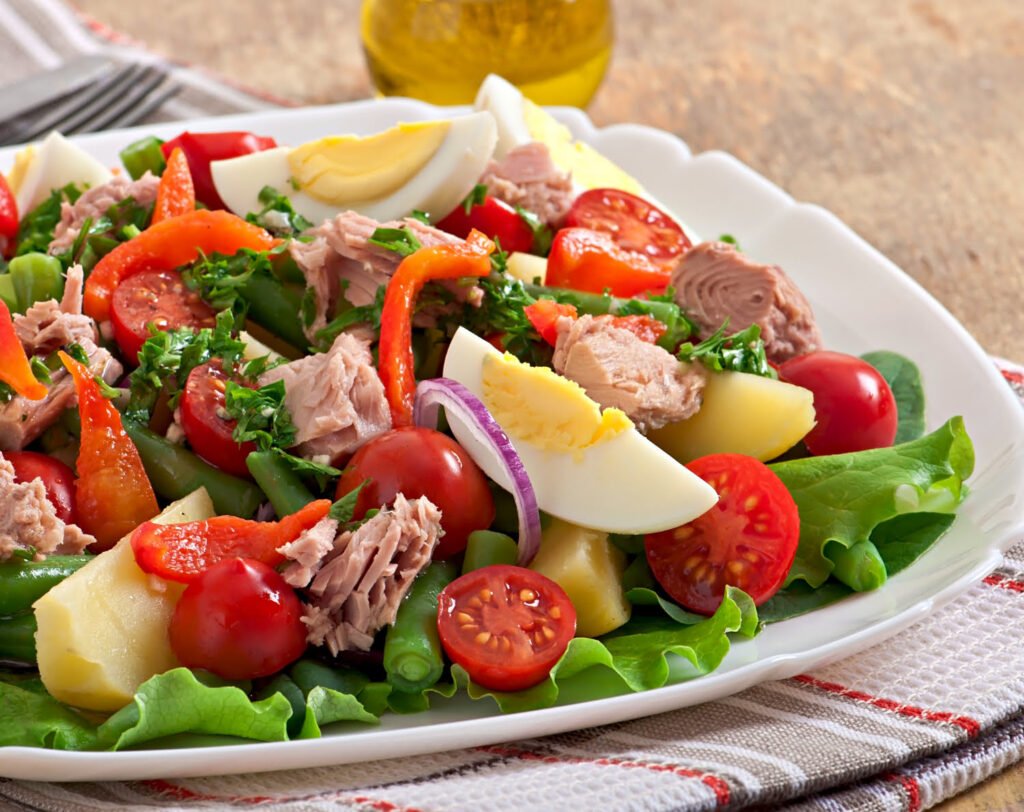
[456, 398]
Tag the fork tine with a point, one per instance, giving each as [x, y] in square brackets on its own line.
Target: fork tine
[146, 77]
[167, 91]
[118, 111]
[60, 113]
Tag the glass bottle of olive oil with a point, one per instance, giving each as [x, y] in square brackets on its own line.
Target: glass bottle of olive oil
[555, 51]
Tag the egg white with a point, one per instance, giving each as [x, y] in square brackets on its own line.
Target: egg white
[55, 163]
[437, 188]
[624, 484]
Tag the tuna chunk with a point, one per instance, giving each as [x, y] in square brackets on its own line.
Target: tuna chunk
[28, 520]
[336, 399]
[715, 282]
[48, 326]
[22, 420]
[94, 204]
[359, 582]
[527, 177]
[340, 261]
[620, 370]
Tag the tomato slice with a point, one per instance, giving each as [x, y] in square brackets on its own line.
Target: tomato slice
[854, 408]
[634, 223]
[206, 428]
[158, 298]
[58, 479]
[544, 315]
[496, 219]
[747, 540]
[583, 259]
[507, 626]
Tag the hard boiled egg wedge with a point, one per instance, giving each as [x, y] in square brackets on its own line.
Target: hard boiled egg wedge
[54, 163]
[428, 166]
[588, 467]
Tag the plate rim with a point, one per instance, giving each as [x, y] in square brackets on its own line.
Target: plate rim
[52, 765]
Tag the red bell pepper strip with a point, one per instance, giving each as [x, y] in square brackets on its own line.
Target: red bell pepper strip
[182, 552]
[396, 364]
[175, 195]
[544, 314]
[167, 245]
[113, 495]
[15, 370]
[202, 149]
[8, 219]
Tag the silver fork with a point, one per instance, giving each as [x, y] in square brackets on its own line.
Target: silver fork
[124, 96]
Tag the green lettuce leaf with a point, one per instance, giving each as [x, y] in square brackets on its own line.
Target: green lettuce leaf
[325, 705]
[843, 498]
[634, 658]
[30, 717]
[904, 380]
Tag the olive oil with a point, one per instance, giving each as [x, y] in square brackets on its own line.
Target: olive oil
[555, 51]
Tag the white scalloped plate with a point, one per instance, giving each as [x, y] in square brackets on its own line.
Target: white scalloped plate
[863, 302]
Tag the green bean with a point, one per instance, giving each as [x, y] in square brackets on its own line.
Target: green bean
[412, 651]
[18, 638]
[310, 674]
[860, 566]
[144, 154]
[276, 307]
[485, 547]
[22, 583]
[283, 684]
[175, 472]
[281, 484]
[36, 278]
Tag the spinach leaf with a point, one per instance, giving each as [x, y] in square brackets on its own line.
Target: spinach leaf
[904, 379]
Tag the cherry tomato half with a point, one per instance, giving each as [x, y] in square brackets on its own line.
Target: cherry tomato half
[496, 219]
[507, 626]
[206, 429]
[159, 298]
[238, 619]
[544, 315]
[421, 462]
[582, 259]
[634, 223]
[58, 479]
[202, 149]
[853, 405]
[747, 540]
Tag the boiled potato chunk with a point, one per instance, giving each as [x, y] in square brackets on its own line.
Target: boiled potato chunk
[103, 631]
[527, 267]
[589, 568]
[741, 414]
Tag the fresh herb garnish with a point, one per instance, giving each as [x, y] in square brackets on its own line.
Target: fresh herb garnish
[40, 370]
[108, 391]
[664, 309]
[400, 240]
[475, 198]
[77, 351]
[422, 216]
[731, 240]
[319, 471]
[740, 352]
[219, 278]
[98, 237]
[278, 215]
[542, 234]
[364, 314]
[261, 415]
[35, 232]
[502, 310]
[167, 358]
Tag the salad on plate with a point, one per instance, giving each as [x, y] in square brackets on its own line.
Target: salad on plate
[293, 436]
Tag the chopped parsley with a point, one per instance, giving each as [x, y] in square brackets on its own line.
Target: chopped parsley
[35, 231]
[220, 278]
[542, 234]
[98, 237]
[731, 240]
[400, 240]
[261, 415]
[319, 471]
[278, 215]
[664, 309]
[740, 352]
[350, 316]
[475, 198]
[422, 216]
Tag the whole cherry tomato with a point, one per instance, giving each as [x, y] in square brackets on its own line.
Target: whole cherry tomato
[853, 405]
[58, 479]
[507, 626]
[748, 539]
[238, 619]
[421, 462]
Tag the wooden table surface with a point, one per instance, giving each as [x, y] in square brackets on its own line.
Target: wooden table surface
[904, 118]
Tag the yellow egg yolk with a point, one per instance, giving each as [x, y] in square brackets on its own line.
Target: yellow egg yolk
[346, 169]
[588, 167]
[22, 161]
[540, 407]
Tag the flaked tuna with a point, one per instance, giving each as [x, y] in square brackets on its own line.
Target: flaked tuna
[335, 398]
[618, 369]
[93, 204]
[356, 584]
[715, 282]
[48, 325]
[28, 521]
[527, 177]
